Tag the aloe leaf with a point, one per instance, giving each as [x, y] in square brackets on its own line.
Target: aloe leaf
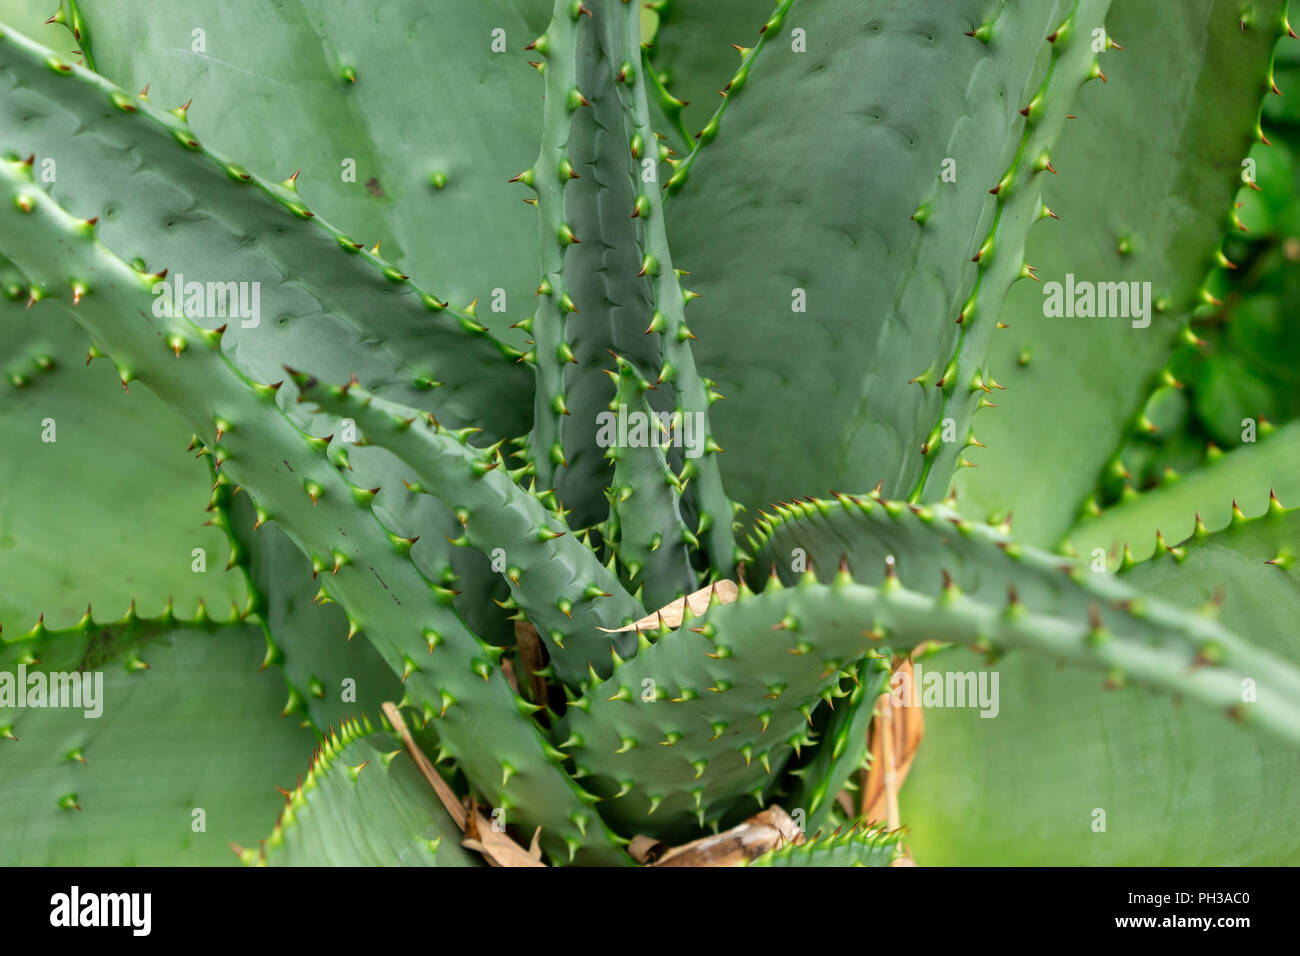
[407, 616]
[351, 346]
[1177, 786]
[690, 50]
[1249, 568]
[864, 256]
[557, 581]
[1163, 140]
[942, 554]
[852, 848]
[321, 289]
[73, 442]
[1134, 528]
[586, 152]
[1236, 373]
[673, 739]
[649, 536]
[692, 394]
[386, 152]
[366, 284]
[842, 747]
[609, 282]
[334, 674]
[182, 707]
[363, 803]
[675, 727]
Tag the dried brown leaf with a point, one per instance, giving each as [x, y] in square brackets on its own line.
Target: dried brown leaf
[673, 612]
[766, 830]
[903, 728]
[497, 846]
[531, 660]
[445, 794]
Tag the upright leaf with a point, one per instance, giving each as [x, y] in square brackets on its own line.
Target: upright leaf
[845, 242]
[1147, 173]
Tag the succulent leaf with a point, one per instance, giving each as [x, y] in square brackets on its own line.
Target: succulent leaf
[549, 570]
[1085, 614]
[73, 441]
[621, 278]
[874, 167]
[181, 705]
[651, 539]
[1204, 499]
[850, 848]
[1163, 775]
[363, 803]
[601, 274]
[297, 495]
[266, 238]
[416, 159]
[842, 749]
[845, 269]
[1168, 177]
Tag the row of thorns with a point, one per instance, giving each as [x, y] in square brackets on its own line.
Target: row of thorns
[893, 737]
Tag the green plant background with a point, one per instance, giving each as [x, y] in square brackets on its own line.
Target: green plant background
[227, 679]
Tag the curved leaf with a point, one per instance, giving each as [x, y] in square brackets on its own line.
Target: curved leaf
[673, 732]
[1129, 530]
[1177, 786]
[307, 293]
[292, 474]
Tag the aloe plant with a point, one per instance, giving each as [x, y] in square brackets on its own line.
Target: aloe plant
[464, 454]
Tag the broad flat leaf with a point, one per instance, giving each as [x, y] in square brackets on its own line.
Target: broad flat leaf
[1162, 144]
[818, 166]
[692, 50]
[1178, 786]
[111, 510]
[188, 723]
[269, 89]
